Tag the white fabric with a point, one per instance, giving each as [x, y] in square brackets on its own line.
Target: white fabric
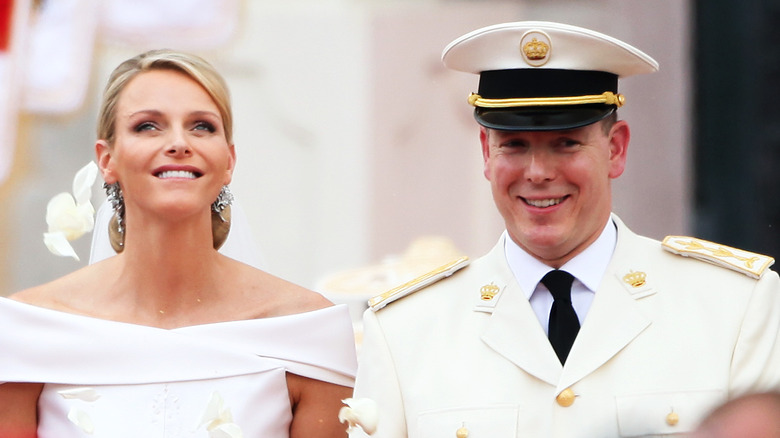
[184, 24]
[239, 245]
[587, 268]
[11, 76]
[8, 116]
[130, 380]
[59, 55]
[690, 337]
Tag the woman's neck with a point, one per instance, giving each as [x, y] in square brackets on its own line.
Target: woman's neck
[168, 270]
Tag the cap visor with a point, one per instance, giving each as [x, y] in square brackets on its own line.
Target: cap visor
[541, 119]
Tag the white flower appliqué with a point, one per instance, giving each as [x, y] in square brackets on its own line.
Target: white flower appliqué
[360, 412]
[85, 394]
[70, 216]
[77, 416]
[218, 419]
[82, 420]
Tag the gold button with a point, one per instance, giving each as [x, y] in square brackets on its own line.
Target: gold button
[565, 398]
[672, 419]
[462, 433]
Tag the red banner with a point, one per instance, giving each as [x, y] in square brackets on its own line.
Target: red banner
[6, 17]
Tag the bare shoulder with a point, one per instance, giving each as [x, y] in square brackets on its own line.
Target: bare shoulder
[276, 296]
[64, 293]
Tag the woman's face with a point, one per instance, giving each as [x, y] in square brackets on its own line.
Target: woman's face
[170, 153]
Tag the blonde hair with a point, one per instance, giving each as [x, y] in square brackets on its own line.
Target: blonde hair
[193, 66]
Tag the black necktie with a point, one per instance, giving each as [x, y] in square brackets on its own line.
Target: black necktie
[564, 325]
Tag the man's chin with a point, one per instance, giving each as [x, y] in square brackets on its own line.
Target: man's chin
[543, 245]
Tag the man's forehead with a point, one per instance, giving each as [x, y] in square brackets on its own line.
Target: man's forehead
[581, 131]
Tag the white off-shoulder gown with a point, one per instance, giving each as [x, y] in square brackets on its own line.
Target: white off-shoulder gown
[105, 379]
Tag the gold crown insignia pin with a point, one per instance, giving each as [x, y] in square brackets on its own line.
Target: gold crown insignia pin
[488, 291]
[635, 279]
[535, 50]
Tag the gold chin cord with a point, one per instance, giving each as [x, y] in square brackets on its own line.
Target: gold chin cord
[607, 98]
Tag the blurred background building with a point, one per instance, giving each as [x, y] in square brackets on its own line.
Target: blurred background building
[353, 141]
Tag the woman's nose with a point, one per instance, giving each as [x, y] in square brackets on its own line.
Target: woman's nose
[178, 144]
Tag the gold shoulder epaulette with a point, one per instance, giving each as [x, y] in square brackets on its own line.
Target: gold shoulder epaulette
[746, 262]
[418, 283]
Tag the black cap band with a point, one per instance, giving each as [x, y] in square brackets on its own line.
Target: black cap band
[543, 83]
[524, 83]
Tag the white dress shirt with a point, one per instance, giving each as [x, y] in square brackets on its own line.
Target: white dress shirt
[588, 268]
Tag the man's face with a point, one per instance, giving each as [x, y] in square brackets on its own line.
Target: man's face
[553, 187]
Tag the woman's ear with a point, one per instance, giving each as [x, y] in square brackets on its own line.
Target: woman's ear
[105, 162]
[231, 165]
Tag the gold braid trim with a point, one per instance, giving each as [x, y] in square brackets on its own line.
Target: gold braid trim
[608, 98]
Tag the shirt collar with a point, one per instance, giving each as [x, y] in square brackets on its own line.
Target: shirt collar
[588, 266]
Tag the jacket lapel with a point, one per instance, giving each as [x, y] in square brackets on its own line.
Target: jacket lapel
[513, 330]
[614, 319]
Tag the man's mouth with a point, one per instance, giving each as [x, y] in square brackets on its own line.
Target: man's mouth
[177, 174]
[544, 203]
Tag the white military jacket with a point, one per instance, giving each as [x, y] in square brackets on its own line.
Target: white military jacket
[667, 338]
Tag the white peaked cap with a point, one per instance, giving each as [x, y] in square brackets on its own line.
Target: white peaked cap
[538, 75]
[497, 47]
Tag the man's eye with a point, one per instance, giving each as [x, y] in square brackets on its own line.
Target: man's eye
[570, 143]
[513, 144]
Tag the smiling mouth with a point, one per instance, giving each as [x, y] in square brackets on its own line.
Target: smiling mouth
[178, 174]
[544, 203]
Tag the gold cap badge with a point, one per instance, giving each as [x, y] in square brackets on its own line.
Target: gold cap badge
[535, 46]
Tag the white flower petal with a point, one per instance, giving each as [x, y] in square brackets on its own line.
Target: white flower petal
[83, 181]
[58, 205]
[361, 412]
[227, 430]
[82, 420]
[86, 214]
[85, 394]
[216, 413]
[69, 218]
[212, 410]
[63, 215]
[58, 245]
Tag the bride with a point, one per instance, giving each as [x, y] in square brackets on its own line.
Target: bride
[170, 337]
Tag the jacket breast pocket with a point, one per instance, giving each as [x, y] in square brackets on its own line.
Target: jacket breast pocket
[490, 421]
[664, 413]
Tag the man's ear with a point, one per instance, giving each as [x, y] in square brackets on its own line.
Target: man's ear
[619, 136]
[485, 141]
[103, 153]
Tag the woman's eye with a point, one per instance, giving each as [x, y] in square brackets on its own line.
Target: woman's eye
[144, 126]
[204, 126]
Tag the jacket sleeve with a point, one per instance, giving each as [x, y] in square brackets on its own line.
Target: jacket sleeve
[755, 365]
[377, 379]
